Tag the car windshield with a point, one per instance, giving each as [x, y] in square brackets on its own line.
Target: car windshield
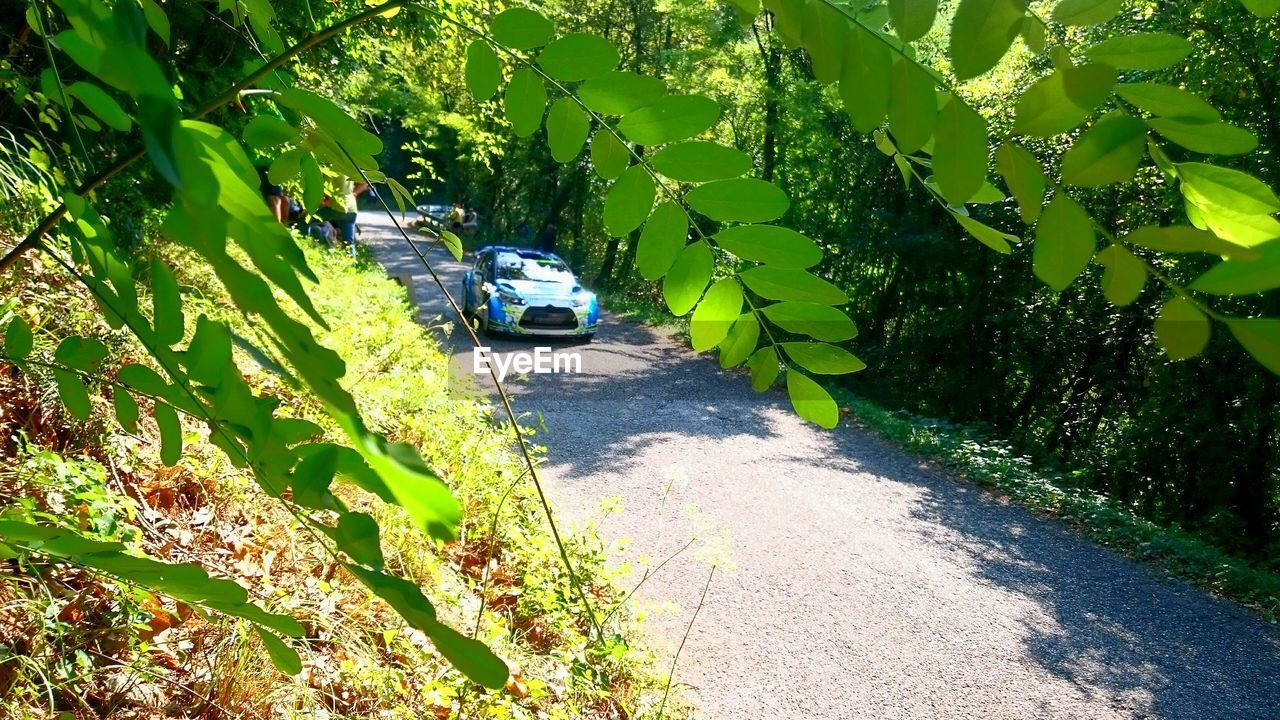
[511, 266]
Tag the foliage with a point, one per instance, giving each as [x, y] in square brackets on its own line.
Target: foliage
[939, 89]
[358, 657]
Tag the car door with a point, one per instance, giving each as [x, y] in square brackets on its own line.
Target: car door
[480, 279]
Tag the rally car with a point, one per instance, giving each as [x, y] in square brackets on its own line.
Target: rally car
[519, 291]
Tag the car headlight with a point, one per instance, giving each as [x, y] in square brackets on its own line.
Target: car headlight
[510, 297]
[583, 299]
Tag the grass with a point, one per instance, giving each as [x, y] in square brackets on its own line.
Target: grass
[85, 644]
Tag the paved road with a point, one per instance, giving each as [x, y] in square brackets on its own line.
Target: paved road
[864, 584]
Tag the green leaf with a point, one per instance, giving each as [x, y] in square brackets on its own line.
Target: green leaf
[1140, 51]
[1210, 185]
[285, 658]
[913, 105]
[864, 80]
[688, 277]
[312, 183]
[1240, 229]
[988, 194]
[524, 102]
[1124, 276]
[629, 201]
[741, 341]
[1181, 329]
[739, 200]
[18, 340]
[72, 393]
[101, 104]
[609, 156]
[143, 379]
[521, 28]
[823, 34]
[126, 409]
[663, 238]
[1086, 12]
[811, 401]
[578, 56]
[715, 314]
[820, 322]
[822, 358]
[1064, 243]
[1062, 100]
[1184, 239]
[170, 433]
[989, 236]
[471, 657]
[166, 304]
[1213, 138]
[764, 368]
[452, 243]
[357, 536]
[670, 118]
[209, 353]
[265, 131]
[1243, 277]
[333, 120]
[1022, 173]
[1262, 8]
[620, 92]
[1109, 152]
[788, 19]
[567, 128]
[1033, 34]
[157, 19]
[311, 478]
[904, 169]
[84, 354]
[484, 69]
[1168, 101]
[770, 244]
[286, 166]
[403, 596]
[700, 161]
[912, 19]
[402, 196]
[959, 152]
[1261, 337]
[789, 284]
[981, 34]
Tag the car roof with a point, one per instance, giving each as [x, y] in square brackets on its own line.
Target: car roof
[523, 252]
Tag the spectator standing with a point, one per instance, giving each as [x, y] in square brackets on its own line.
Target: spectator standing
[547, 238]
[348, 207]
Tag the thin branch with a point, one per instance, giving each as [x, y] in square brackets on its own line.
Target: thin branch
[671, 675]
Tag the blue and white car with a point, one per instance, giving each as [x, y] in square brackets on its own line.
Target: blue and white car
[519, 291]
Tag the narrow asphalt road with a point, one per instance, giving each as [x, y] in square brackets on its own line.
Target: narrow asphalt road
[854, 581]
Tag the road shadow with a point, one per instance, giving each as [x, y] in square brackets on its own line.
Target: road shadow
[1153, 646]
[1126, 639]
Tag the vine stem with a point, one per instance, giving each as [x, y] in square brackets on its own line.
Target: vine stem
[671, 675]
[33, 239]
[658, 180]
[504, 399]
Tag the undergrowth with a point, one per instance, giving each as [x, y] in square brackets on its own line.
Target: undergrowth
[73, 644]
